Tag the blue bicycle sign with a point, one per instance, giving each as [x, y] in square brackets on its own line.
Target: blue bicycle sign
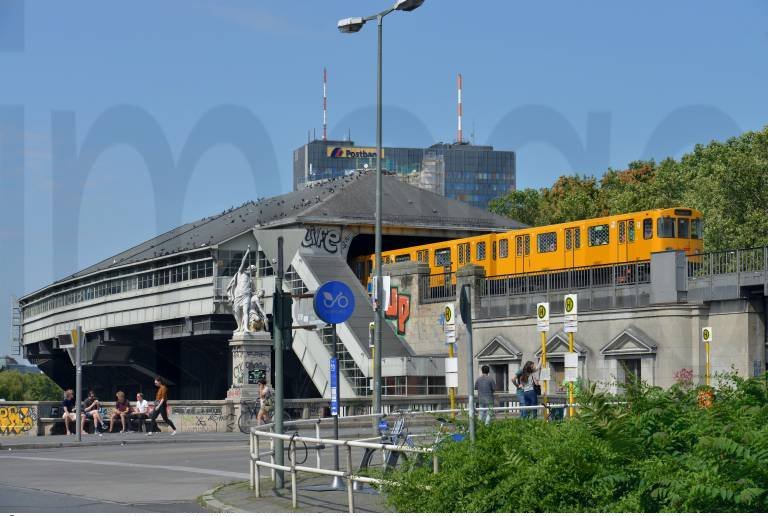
[334, 302]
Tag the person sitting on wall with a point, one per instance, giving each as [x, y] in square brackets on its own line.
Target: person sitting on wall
[122, 411]
[140, 412]
[91, 406]
[68, 409]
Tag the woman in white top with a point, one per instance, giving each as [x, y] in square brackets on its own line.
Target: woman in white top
[529, 382]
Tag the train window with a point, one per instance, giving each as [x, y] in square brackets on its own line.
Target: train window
[386, 259]
[568, 239]
[683, 228]
[422, 256]
[403, 258]
[577, 238]
[443, 257]
[546, 242]
[622, 232]
[647, 229]
[665, 227]
[519, 246]
[696, 229]
[503, 248]
[631, 230]
[493, 250]
[598, 235]
[464, 256]
[527, 245]
[480, 251]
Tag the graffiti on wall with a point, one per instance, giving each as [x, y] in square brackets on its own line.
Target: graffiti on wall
[319, 238]
[16, 420]
[399, 309]
[202, 419]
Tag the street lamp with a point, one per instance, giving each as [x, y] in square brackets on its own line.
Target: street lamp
[347, 26]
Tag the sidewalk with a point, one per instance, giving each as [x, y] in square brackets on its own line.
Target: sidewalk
[238, 497]
[116, 439]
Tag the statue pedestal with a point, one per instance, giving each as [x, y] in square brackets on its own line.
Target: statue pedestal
[251, 360]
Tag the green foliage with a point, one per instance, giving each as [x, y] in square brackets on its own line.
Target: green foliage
[724, 180]
[649, 450]
[16, 386]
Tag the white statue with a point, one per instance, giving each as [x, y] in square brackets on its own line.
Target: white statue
[239, 293]
[257, 318]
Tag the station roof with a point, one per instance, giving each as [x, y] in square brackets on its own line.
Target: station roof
[348, 200]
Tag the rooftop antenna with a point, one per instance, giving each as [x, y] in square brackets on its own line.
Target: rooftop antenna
[325, 104]
[459, 109]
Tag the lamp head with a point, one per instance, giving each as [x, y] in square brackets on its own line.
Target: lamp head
[349, 25]
[408, 5]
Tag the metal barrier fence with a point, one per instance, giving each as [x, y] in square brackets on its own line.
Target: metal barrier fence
[728, 262]
[437, 288]
[623, 285]
[349, 472]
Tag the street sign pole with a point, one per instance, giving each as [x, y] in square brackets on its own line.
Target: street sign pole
[335, 410]
[465, 306]
[570, 302]
[77, 339]
[449, 329]
[542, 324]
[706, 336]
[279, 334]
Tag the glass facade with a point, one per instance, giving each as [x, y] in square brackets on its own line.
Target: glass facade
[470, 173]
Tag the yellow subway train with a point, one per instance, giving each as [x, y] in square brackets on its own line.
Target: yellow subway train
[600, 241]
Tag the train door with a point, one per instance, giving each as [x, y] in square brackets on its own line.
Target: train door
[626, 240]
[522, 253]
[572, 243]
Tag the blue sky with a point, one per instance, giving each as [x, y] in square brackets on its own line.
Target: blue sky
[571, 86]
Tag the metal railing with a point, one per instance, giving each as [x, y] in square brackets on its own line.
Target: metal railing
[728, 262]
[437, 288]
[622, 285]
[348, 473]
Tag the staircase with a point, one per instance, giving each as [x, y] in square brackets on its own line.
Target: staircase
[347, 366]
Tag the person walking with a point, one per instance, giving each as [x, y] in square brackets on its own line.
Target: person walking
[266, 397]
[485, 387]
[529, 383]
[519, 387]
[161, 406]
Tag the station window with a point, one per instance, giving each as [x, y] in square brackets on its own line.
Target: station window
[443, 257]
[503, 248]
[683, 228]
[598, 235]
[696, 229]
[665, 227]
[403, 258]
[464, 253]
[480, 251]
[546, 242]
[647, 229]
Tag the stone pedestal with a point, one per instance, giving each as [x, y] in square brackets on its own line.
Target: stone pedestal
[251, 360]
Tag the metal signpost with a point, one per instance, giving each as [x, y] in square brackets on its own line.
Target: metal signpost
[706, 336]
[76, 339]
[451, 363]
[334, 303]
[465, 306]
[570, 302]
[542, 325]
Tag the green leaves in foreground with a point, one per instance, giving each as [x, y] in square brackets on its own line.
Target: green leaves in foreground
[656, 451]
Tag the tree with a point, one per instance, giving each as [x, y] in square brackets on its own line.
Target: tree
[520, 205]
[16, 386]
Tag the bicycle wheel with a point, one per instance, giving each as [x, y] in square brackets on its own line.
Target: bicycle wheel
[247, 420]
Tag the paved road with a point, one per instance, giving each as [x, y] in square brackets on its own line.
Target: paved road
[163, 477]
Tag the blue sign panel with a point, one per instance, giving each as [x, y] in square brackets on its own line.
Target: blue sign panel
[334, 302]
[334, 387]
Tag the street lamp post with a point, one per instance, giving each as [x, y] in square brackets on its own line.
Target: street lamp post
[351, 25]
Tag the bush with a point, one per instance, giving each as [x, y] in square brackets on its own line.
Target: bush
[16, 386]
[656, 451]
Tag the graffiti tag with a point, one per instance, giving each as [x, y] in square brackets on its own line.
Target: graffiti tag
[327, 239]
[399, 309]
[15, 421]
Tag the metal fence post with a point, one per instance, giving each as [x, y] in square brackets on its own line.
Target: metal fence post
[252, 437]
[350, 492]
[317, 435]
[272, 458]
[294, 487]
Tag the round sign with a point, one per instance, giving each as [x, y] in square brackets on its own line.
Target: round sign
[448, 313]
[542, 311]
[568, 304]
[334, 302]
[705, 333]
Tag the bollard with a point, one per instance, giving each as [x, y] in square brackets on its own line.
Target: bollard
[317, 435]
[350, 493]
[272, 458]
[253, 464]
[435, 463]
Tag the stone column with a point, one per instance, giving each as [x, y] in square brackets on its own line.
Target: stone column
[251, 360]
[472, 275]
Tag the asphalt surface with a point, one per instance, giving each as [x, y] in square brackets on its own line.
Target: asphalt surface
[135, 477]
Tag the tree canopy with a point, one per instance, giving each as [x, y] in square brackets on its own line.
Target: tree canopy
[16, 386]
[726, 181]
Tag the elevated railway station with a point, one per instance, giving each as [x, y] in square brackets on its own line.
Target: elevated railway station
[159, 308]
